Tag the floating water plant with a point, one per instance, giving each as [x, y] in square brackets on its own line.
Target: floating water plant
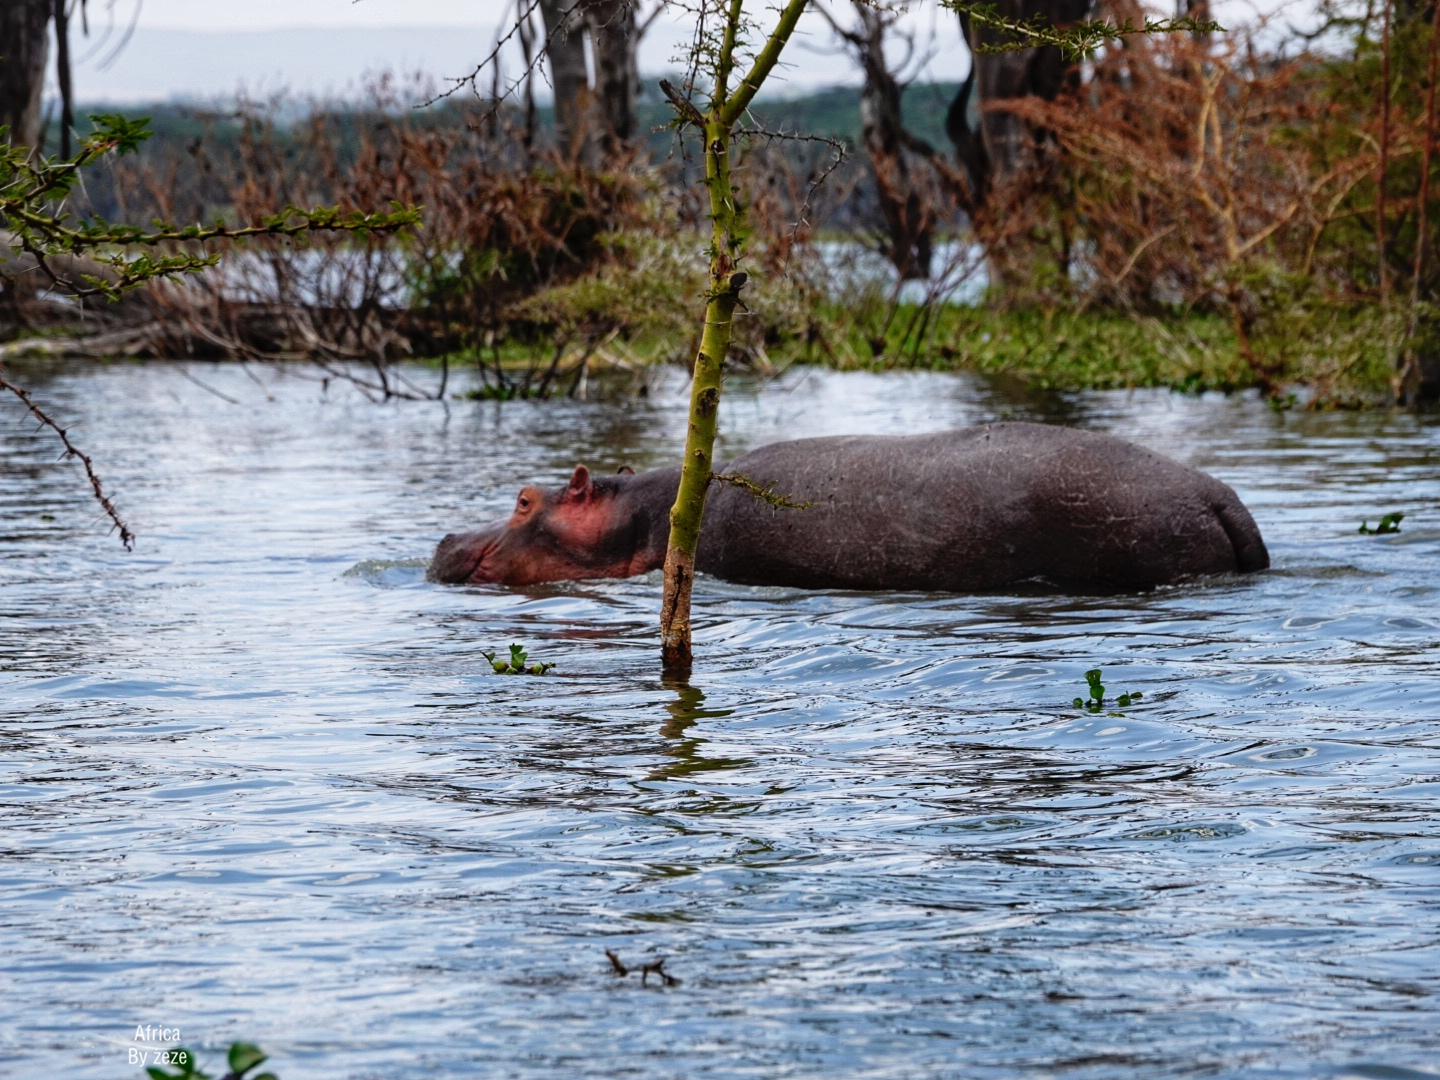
[1096, 699]
[516, 664]
[242, 1058]
[1390, 523]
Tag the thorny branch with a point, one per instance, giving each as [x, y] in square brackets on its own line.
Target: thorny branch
[1076, 40]
[765, 494]
[837, 159]
[522, 18]
[32, 206]
[28, 190]
[71, 450]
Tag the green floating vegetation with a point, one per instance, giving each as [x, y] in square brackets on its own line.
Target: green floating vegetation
[516, 664]
[242, 1058]
[1096, 700]
[1390, 523]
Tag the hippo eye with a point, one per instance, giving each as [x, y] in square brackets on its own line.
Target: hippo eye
[522, 503]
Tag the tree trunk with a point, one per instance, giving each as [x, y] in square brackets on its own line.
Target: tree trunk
[695, 472]
[24, 49]
[62, 75]
[726, 281]
[565, 50]
[994, 145]
[617, 79]
[962, 125]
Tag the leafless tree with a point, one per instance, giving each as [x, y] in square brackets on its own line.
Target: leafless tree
[915, 187]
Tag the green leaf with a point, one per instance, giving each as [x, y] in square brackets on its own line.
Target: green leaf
[1123, 701]
[1136, 695]
[1092, 676]
[244, 1056]
[1097, 691]
[1079, 703]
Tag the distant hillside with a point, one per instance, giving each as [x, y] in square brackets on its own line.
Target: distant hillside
[836, 112]
[833, 112]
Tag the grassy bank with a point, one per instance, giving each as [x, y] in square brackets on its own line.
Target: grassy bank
[1331, 359]
[1335, 357]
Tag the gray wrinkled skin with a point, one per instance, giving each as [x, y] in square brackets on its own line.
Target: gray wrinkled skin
[972, 509]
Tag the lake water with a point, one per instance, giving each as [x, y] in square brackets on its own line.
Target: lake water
[259, 783]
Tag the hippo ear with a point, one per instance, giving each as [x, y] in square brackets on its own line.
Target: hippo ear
[579, 483]
[624, 470]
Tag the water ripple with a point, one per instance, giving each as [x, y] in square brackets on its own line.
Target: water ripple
[261, 783]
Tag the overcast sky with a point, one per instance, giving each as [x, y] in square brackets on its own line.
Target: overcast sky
[213, 48]
[275, 14]
[210, 48]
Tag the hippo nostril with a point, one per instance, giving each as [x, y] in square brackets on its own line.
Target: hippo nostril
[458, 558]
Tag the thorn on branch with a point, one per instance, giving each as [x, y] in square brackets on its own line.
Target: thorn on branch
[683, 105]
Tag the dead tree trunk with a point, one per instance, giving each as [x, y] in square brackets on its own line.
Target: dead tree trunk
[24, 49]
[565, 50]
[617, 78]
[62, 74]
[594, 119]
[916, 187]
[909, 215]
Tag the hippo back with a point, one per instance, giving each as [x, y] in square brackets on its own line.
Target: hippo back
[975, 508]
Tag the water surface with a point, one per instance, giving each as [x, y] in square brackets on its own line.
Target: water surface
[258, 782]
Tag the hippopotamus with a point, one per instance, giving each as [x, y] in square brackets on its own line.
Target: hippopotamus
[973, 509]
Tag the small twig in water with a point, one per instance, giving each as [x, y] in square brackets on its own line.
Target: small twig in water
[655, 967]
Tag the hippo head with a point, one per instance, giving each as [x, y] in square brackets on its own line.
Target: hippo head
[577, 531]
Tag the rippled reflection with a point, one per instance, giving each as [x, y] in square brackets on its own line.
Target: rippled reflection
[259, 781]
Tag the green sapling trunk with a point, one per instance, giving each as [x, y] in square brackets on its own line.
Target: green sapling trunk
[726, 281]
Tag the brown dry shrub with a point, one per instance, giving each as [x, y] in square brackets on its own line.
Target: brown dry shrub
[1185, 175]
[520, 253]
[499, 224]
